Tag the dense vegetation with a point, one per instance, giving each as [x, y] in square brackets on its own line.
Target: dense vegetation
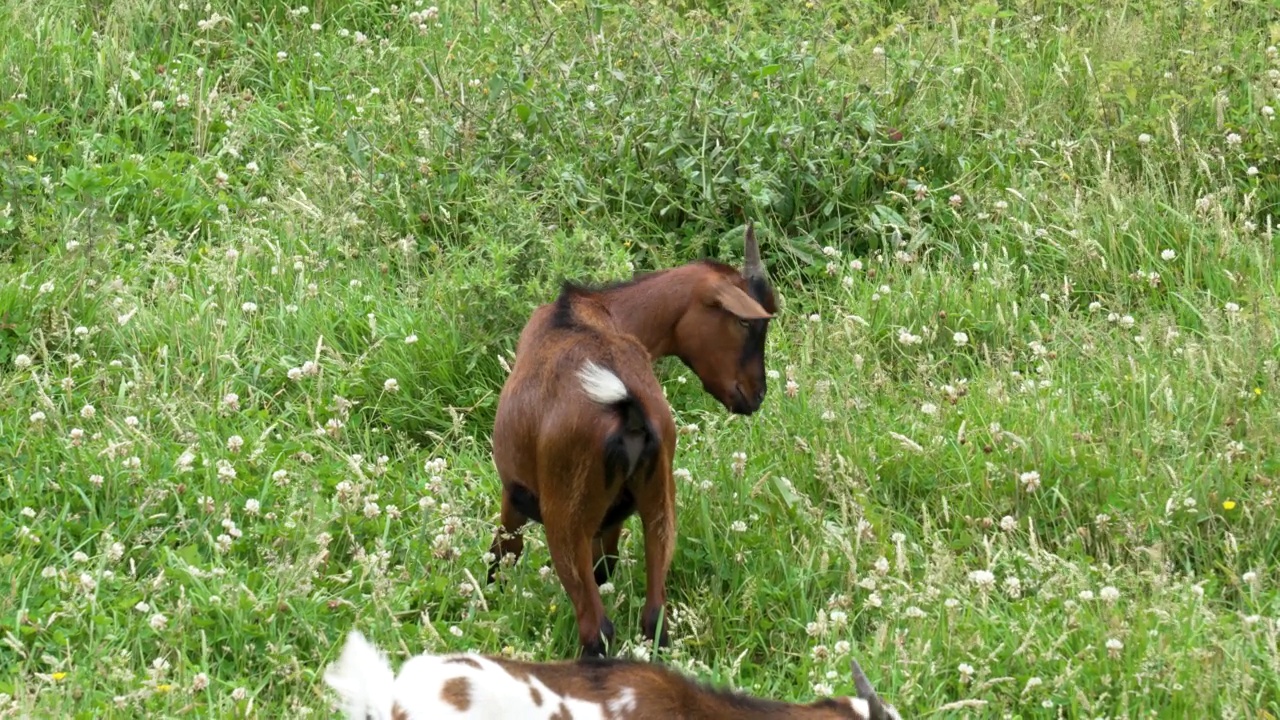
[264, 265]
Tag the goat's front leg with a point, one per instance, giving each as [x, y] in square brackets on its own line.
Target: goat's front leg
[656, 503]
[605, 547]
[509, 538]
[570, 548]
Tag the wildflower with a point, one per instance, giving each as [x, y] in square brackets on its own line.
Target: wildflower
[738, 526]
[157, 106]
[294, 373]
[855, 265]
[1268, 112]
[1109, 594]
[955, 201]
[792, 388]
[282, 56]
[22, 362]
[966, 672]
[929, 409]
[1232, 307]
[37, 417]
[739, 462]
[88, 411]
[410, 339]
[984, 579]
[231, 401]
[199, 682]
[1008, 524]
[252, 506]
[95, 480]
[1114, 647]
[235, 443]
[1251, 171]
[239, 694]
[1144, 139]
[960, 339]
[1168, 254]
[158, 621]
[226, 472]
[391, 385]
[1030, 479]
[1095, 306]
[1250, 577]
[249, 306]
[1228, 504]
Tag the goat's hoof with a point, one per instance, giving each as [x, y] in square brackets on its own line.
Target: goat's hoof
[596, 646]
[649, 626]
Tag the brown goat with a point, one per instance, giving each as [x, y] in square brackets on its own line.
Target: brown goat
[469, 686]
[584, 437]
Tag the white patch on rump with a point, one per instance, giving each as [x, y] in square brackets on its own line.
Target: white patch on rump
[363, 680]
[601, 384]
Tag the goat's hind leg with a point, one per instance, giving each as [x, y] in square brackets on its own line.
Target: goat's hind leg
[656, 504]
[570, 549]
[509, 538]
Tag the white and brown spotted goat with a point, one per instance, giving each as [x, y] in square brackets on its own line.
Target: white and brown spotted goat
[478, 687]
[584, 437]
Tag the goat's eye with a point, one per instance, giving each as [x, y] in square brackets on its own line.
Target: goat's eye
[744, 323]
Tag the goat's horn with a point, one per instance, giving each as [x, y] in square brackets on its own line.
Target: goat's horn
[860, 681]
[752, 267]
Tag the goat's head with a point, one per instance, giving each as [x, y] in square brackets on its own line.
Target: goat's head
[877, 709]
[722, 335]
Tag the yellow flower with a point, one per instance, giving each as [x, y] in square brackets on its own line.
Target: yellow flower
[31, 158]
[1228, 504]
[164, 688]
[58, 676]
[1257, 391]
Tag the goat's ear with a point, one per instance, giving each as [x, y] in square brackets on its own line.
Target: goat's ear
[732, 298]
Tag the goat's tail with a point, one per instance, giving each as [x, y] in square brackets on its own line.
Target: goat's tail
[363, 679]
[635, 444]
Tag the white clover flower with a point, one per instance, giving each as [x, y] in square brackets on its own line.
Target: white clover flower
[391, 385]
[984, 579]
[22, 362]
[960, 338]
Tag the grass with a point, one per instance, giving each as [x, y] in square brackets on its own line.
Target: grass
[1019, 457]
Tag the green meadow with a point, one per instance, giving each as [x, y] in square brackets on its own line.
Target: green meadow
[263, 267]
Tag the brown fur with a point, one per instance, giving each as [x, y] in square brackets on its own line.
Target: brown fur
[549, 437]
[662, 693]
[457, 692]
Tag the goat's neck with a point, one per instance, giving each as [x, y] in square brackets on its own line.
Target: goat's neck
[650, 310]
